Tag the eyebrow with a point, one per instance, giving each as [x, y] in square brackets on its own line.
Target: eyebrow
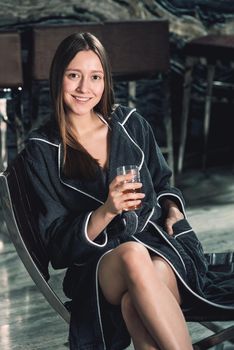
[78, 70]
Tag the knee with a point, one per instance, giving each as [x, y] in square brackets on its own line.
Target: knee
[134, 260]
[132, 255]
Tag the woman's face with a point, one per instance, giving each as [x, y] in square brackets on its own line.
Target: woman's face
[83, 84]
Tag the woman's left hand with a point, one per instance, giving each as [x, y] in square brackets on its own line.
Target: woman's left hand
[173, 215]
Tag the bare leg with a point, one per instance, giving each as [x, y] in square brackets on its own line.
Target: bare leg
[141, 338]
[129, 268]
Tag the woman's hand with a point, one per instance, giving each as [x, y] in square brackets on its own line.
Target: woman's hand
[123, 195]
[173, 214]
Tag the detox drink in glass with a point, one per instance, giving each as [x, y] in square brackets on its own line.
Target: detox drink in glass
[135, 171]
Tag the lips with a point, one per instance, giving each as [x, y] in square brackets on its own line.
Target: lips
[82, 99]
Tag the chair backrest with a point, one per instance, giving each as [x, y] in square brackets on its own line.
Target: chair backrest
[45, 40]
[19, 208]
[137, 49]
[10, 62]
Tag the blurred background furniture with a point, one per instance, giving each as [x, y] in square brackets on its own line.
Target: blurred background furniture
[138, 50]
[11, 82]
[213, 49]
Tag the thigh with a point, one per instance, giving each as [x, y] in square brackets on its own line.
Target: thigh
[166, 274]
[110, 277]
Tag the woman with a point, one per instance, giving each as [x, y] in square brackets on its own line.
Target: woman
[128, 271]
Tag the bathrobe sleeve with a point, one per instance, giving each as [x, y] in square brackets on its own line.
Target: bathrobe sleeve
[157, 166]
[63, 231]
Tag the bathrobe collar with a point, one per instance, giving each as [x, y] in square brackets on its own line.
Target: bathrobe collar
[123, 151]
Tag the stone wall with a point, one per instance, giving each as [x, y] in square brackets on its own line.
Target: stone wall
[188, 19]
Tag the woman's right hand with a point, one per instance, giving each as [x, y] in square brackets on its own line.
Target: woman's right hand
[123, 195]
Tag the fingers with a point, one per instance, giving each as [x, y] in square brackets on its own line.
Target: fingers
[169, 229]
[131, 205]
[124, 182]
[127, 198]
[125, 195]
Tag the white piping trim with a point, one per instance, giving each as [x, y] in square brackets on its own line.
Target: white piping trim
[103, 120]
[174, 195]
[183, 233]
[74, 188]
[97, 296]
[38, 139]
[142, 153]
[181, 279]
[86, 233]
[169, 244]
[128, 115]
[150, 216]
[136, 221]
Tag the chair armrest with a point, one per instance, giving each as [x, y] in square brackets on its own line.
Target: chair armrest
[220, 261]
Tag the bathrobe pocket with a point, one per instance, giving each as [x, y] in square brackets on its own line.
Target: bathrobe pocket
[188, 240]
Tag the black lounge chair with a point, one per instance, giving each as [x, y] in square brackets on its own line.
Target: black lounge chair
[18, 204]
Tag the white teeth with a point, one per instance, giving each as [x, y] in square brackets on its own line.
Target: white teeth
[83, 99]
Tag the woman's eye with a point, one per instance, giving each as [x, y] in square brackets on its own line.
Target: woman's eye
[73, 75]
[96, 77]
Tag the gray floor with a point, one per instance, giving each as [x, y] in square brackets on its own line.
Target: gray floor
[26, 320]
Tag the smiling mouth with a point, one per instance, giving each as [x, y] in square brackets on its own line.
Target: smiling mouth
[82, 99]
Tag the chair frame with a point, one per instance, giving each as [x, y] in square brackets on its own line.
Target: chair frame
[13, 227]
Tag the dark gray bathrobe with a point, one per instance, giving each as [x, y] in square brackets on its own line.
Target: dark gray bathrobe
[65, 207]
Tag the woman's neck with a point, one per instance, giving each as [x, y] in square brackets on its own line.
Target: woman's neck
[85, 125]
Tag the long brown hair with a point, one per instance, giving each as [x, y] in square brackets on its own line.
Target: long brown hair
[77, 162]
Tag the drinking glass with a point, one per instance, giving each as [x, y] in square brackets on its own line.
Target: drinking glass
[135, 171]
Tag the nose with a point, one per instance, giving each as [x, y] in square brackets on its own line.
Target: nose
[83, 84]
